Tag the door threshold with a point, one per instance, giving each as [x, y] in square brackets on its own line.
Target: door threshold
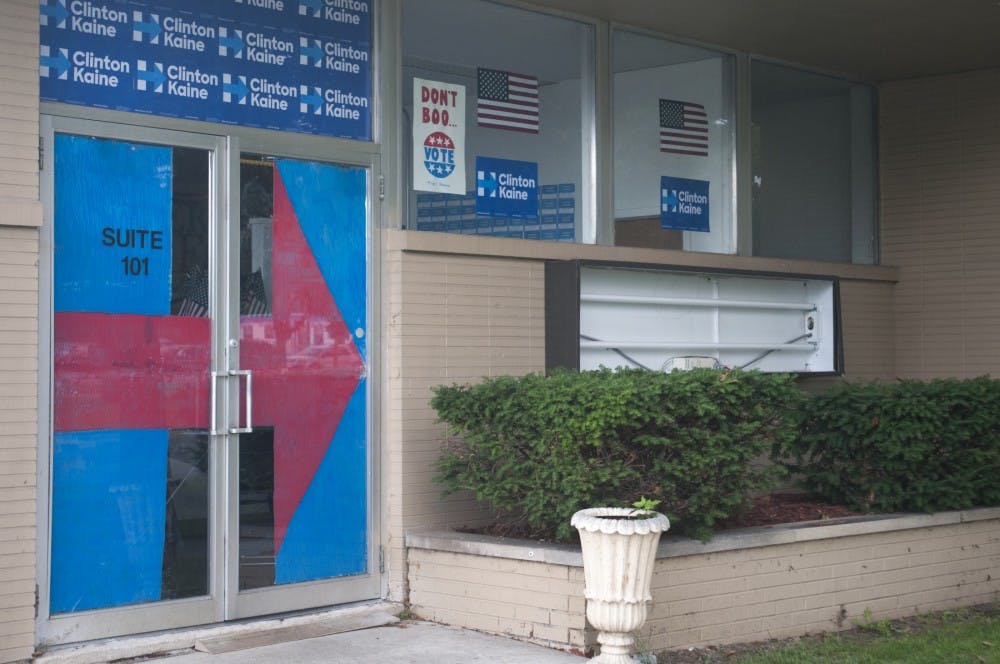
[227, 637]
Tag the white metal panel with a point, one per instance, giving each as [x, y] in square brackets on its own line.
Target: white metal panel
[660, 319]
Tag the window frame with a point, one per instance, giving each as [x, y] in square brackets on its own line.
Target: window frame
[597, 197]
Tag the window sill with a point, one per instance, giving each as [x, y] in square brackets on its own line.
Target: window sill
[469, 245]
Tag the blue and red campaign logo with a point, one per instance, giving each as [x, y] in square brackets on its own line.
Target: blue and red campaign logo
[439, 154]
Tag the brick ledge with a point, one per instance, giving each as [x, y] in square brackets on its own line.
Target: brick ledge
[675, 546]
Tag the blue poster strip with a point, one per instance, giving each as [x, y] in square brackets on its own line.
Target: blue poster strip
[112, 253]
[108, 518]
[684, 204]
[506, 188]
[290, 65]
[337, 234]
[327, 536]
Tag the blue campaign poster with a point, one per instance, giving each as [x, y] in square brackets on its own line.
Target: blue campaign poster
[290, 65]
[112, 253]
[506, 188]
[684, 204]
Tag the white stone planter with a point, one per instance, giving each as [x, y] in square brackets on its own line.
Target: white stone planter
[618, 557]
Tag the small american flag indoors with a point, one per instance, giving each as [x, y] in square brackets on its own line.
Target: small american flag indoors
[195, 291]
[507, 101]
[683, 128]
[253, 296]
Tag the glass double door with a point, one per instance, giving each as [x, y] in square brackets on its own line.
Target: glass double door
[209, 454]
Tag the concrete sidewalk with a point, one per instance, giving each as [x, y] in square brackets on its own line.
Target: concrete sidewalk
[408, 641]
[360, 634]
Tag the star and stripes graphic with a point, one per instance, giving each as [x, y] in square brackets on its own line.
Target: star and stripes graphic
[253, 294]
[683, 128]
[195, 290]
[507, 101]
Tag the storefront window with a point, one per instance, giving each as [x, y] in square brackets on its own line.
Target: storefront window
[499, 138]
[673, 135]
[814, 194]
[498, 117]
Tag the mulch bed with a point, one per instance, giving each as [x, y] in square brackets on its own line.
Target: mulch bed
[779, 508]
[767, 510]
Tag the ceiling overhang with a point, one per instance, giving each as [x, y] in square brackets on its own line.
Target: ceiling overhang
[872, 40]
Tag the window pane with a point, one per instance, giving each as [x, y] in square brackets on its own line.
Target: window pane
[526, 79]
[303, 327]
[813, 166]
[130, 360]
[673, 162]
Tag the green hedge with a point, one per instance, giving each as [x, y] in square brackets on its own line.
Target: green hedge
[906, 446]
[538, 448]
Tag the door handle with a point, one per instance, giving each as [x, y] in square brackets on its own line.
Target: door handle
[212, 430]
[249, 400]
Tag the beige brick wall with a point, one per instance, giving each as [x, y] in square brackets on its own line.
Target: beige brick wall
[867, 332]
[20, 216]
[737, 591]
[18, 437]
[821, 585]
[537, 602]
[449, 319]
[19, 103]
[940, 190]
[867, 324]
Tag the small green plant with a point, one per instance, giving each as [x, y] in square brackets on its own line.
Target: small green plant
[646, 504]
[645, 508]
[866, 623]
[643, 653]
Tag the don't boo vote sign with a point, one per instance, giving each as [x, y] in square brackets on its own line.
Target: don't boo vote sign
[438, 137]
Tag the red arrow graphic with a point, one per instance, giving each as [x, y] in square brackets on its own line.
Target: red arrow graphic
[305, 365]
[122, 371]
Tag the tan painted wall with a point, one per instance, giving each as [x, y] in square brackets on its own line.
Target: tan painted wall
[940, 190]
[867, 320]
[537, 602]
[19, 106]
[18, 437]
[20, 216]
[459, 308]
[821, 585]
[449, 319]
[736, 592]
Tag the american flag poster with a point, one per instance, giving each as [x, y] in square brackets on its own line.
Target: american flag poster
[507, 101]
[683, 128]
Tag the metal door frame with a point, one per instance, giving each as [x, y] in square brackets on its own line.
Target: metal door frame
[224, 601]
[321, 592]
[91, 624]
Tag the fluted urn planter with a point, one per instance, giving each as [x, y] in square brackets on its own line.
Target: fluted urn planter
[619, 549]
